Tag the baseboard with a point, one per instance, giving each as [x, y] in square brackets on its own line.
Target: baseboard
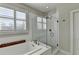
[65, 52]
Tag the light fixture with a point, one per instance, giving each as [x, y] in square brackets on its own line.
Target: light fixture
[46, 6]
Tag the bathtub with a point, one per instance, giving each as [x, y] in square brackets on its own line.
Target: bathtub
[40, 49]
[28, 48]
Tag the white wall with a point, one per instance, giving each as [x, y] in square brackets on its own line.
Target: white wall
[64, 27]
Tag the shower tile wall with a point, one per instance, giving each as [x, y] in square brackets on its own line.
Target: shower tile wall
[53, 35]
[41, 34]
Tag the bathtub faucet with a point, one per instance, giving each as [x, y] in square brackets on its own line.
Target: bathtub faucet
[36, 42]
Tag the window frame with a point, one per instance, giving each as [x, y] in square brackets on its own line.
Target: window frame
[14, 31]
[7, 8]
[42, 23]
[4, 17]
[20, 20]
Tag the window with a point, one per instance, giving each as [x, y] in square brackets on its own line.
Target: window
[5, 12]
[20, 15]
[44, 23]
[11, 20]
[41, 23]
[39, 19]
[20, 25]
[6, 19]
[6, 24]
[20, 21]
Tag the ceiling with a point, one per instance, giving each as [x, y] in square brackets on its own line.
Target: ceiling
[43, 7]
[46, 7]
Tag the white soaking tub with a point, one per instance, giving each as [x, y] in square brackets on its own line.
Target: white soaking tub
[27, 48]
[40, 49]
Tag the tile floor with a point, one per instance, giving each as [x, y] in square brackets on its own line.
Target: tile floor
[58, 52]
